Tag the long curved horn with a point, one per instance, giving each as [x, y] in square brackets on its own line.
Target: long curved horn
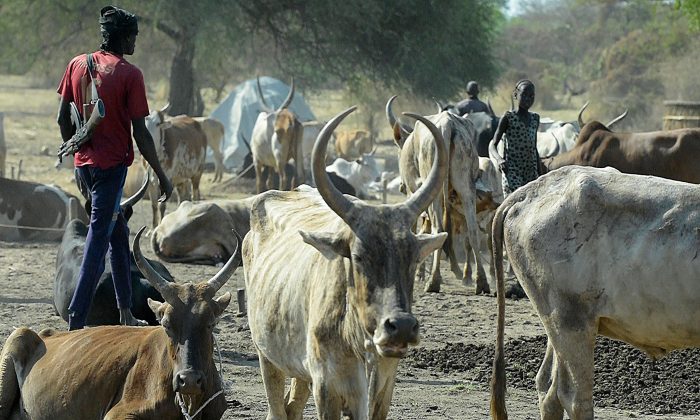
[427, 192]
[288, 99]
[138, 195]
[165, 108]
[617, 119]
[389, 112]
[262, 97]
[392, 118]
[556, 148]
[166, 289]
[220, 278]
[439, 105]
[488, 105]
[580, 113]
[334, 198]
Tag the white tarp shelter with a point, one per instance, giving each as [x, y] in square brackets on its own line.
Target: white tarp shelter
[240, 109]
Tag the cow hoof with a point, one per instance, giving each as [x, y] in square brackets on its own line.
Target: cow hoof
[482, 287]
[432, 288]
[515, 291]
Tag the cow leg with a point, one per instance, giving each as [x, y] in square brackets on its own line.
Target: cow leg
[296, 398]
[573, 367]
[546, 382]
[282, 172]
[259, 181]
[382, 400]
[435, 214]
[195, 187]
[328, 404]
[468, 196]
[273, 379]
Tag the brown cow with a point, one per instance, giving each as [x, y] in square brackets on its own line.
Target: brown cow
[277, 138]
[668, 154]
[214, 130]
[181, 145]
[118, 372]
[352, 144]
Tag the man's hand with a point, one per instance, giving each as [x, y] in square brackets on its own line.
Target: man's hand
[166, 188]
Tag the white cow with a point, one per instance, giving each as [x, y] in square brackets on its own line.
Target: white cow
[598, 252]
[359, 174]
[330, 285]
[457, 202]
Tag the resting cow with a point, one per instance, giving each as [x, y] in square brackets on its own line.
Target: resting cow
[36, 212]
[455, 205]
[200, 233]
[104, 305]
[330, 291]
[118, 372]
[358, 173]
[352, 144]
[598, 252]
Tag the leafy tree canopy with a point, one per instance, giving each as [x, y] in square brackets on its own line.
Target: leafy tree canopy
[428, 47]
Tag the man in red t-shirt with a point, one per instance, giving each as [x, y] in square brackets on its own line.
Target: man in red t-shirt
[102, 162]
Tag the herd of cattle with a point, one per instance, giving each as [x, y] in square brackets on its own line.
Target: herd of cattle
[605, 243]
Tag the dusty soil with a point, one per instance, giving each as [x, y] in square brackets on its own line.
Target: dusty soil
[445, 377]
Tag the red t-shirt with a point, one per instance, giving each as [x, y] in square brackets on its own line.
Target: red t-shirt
[120, 86]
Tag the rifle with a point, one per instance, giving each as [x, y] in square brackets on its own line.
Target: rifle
[85, 127]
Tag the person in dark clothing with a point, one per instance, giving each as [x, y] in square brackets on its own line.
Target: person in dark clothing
[102, 162]
[472, 103]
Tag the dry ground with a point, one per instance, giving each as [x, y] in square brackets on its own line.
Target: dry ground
[450, 319]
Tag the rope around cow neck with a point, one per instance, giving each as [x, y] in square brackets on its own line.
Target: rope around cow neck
[181, 402]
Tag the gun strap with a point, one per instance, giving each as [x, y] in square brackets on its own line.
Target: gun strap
[90, 68]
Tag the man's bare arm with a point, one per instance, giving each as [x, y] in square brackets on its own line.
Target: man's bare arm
[144, 142]
[63, 119]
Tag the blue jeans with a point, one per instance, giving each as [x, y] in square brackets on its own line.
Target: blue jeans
[108, 229]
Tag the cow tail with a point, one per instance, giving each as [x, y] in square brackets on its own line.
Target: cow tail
[498, 376]
[448, 245]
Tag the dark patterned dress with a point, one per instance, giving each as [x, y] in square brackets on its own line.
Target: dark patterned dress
[520, 151]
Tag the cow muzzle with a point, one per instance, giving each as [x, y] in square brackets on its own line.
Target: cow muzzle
[395, 333]
[189, 382]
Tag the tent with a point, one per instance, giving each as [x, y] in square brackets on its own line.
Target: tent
[240, 109]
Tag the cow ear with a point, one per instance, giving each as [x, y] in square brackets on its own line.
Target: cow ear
[429, 243]
[399, 137]
[221, 303]
[329, 244]
[165, 125]
[158, 308]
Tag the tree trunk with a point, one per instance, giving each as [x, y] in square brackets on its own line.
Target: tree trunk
[182, 85]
